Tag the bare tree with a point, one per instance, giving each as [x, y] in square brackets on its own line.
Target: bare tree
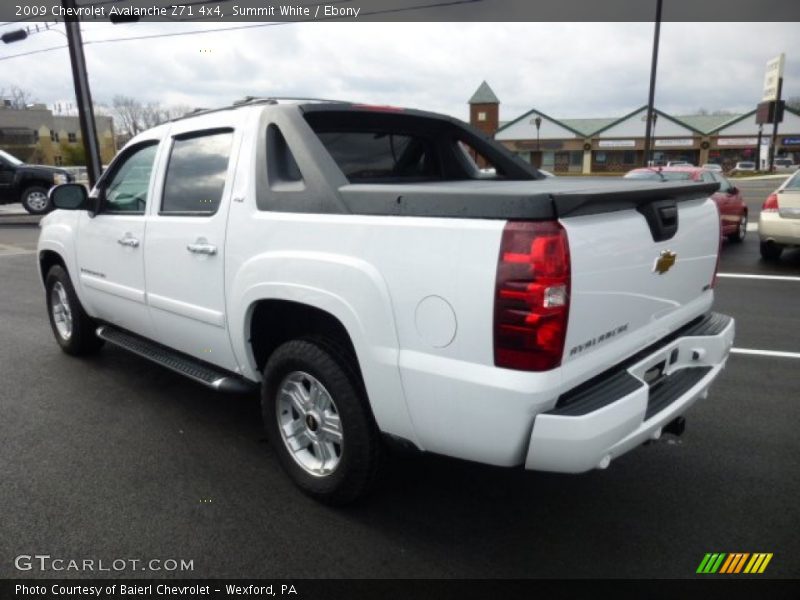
[132, 116]
[128, 114]
[18, 97]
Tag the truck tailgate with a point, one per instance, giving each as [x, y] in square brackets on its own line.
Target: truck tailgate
[625, 279]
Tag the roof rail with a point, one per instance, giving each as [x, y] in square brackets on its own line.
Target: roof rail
[276, 99]
[250, 100]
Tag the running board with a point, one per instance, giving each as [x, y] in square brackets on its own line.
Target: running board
[211, 376]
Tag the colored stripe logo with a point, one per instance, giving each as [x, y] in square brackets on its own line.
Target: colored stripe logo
[734, 563]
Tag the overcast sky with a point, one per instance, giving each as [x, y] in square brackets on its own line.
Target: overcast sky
[562, 69]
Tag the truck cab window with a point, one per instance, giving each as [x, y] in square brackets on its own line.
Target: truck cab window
[196, 174]
[127, 189]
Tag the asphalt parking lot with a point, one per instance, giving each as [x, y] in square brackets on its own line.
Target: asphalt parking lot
[114, 457]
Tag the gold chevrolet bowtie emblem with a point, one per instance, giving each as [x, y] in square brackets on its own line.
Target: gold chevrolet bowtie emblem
[664, 262]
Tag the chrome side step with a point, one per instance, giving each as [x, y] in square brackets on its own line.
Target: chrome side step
[209, 375]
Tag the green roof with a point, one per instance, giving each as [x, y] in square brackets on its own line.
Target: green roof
[588, 126]
[706, 123]
[484, 95]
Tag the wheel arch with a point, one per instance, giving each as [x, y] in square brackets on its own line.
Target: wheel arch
[47, 260]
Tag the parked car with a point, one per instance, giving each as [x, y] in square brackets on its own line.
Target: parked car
[784, 165]
[712, 167]
[732, 208]
[355, 264]
[28, 184]
[679, 163]
[779, 220]
[744, 166]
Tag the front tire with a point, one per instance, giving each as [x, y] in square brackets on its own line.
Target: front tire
[318, 420]
[73, 329]
[34, 199]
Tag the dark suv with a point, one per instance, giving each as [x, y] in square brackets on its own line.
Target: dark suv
[28, 184]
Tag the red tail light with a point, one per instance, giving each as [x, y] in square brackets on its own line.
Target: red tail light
[770, 204]
[719, 247]
[531, 302]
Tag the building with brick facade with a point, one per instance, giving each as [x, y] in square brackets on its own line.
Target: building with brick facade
[616, 144]
[36, 135]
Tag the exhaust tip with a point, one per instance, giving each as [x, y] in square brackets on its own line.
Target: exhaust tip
[675, 427]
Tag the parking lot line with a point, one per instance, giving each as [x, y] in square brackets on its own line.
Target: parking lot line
[751, 276]
[775, 353]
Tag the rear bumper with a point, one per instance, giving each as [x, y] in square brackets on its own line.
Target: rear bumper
[781, 230]
[617, 411]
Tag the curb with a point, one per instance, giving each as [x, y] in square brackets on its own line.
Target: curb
[11, 219]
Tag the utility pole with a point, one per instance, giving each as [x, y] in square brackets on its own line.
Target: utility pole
[83, 95]
[651, 97]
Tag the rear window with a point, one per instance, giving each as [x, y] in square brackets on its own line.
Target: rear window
[387, 145]
[365, 156]
[794, 182]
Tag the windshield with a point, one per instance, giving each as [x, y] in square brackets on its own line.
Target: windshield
[794, 182]
[9, 158]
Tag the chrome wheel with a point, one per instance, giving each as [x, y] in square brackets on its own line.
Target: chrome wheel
[309, 424]
[36, 201]
[62, 313]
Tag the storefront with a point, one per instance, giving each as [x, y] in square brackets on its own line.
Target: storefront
[616, 145]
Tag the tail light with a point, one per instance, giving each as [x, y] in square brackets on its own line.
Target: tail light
[770, 204]
[532, 291]
[719, 246]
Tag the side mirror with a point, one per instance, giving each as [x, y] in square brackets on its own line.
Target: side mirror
[733, 190]
[70, 196]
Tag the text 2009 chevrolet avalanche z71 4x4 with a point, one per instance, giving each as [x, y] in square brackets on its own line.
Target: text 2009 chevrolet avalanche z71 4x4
[358, 265]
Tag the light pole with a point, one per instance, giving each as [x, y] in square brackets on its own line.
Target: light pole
[538, 122]
[758, 146]
[83, 95]
[651, 96]
[651, 153]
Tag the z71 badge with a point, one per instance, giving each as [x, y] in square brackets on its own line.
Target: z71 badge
[664, 262]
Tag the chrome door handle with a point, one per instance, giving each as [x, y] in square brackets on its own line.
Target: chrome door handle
[128, 241]
[202, 248]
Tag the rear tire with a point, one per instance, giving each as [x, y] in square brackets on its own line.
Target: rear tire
[741, 231]
[318, 420]
[771, 251]
[35, 200]
[73, 329]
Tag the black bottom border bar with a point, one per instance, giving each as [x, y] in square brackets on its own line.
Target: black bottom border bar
[707, 587]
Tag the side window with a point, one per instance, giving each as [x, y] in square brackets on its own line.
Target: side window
[126, 190]
[196, 173]
[708, 178]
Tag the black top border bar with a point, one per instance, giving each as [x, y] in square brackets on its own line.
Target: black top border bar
[222, 11]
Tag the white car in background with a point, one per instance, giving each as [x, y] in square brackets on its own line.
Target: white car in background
[784, 165]
[779, 221]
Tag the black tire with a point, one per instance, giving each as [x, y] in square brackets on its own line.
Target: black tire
[771, 251]
[82, 339]
[30, 195]
[360, 452]
[741, 231]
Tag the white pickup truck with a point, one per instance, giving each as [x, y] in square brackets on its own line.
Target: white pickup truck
[358, 264]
